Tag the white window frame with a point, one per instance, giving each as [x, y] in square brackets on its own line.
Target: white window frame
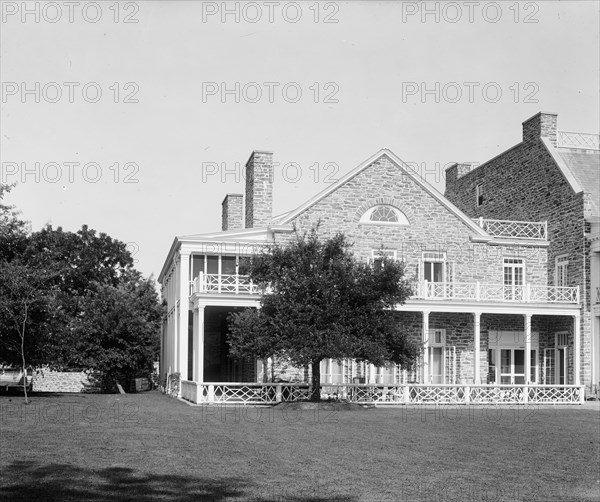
[433, 257]
[365, 219]
[479, 194]
[433, 344]
[561, 267]
[379, 254]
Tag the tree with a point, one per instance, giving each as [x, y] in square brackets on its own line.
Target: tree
[72, 300]
[118, 330]
[319, 302]
[25, 303]
[13, 231]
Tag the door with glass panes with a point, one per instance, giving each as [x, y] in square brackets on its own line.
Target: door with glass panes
[506, 358]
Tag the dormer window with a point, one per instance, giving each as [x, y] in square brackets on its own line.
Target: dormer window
[384, 215]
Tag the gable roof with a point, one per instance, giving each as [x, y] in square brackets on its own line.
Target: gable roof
[287, 218]
[581, 168]
[585, 167]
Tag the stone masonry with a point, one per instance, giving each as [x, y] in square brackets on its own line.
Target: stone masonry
[525, 183]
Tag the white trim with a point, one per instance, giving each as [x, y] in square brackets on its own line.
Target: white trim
[402, 220]
[561, 262]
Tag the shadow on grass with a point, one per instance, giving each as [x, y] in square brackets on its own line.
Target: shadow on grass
[59, 482]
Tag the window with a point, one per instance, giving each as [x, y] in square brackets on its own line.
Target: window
[513, 276]
[437, 359]
[433, 266]
[384, 215]
[560, 270]
[479, 194]
[378, 255]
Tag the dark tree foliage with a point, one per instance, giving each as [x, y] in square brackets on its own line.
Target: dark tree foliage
[319, 302]
[84, 305]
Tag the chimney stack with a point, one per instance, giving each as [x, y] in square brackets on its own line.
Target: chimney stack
[259, 189]
[541, 125]
[233, 212]
[458, 170]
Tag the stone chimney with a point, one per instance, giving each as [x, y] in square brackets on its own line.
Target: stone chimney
[456, 171]
[259, 189]
[541, 125]
[233, 212]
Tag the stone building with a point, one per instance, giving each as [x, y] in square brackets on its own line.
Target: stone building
[485, 311]
[555, 177]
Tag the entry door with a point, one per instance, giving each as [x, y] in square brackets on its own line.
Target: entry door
[512, 366]
[436, 364]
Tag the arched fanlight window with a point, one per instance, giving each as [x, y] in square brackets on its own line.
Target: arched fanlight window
[383, 214]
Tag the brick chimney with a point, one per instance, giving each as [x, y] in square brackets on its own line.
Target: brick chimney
[233, 212]
[541, 125]
[259, 189]
[456, 171]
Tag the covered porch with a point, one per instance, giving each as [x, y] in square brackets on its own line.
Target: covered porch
[473, 352]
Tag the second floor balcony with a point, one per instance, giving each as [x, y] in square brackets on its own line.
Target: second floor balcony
[444, 291]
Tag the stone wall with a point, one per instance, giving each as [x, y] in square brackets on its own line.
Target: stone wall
[61, 381]
[432, 227]
[525, 183]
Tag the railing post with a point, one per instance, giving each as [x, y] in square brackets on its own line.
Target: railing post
[527, 293]
[406, 394]
[211, 393]
[526, 394]
[581, 395]
[201, 283]
[481, 221]
[467, 394]
[278, 393]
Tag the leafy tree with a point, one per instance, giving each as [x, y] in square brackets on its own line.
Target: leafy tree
[72, 300]
[25, 302]
[117, 333]
[13, 231]
[319, 302]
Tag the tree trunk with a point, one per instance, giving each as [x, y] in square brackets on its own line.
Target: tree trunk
[23, 355]
[316, 381]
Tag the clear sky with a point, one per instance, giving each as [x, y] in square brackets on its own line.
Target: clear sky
[139, 129]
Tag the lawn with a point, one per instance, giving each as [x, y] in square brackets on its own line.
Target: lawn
[151, 447]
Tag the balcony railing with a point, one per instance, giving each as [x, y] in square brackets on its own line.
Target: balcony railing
[515, 229]
[578, 140]
[465, 291]
[223, 283]
[480, 292]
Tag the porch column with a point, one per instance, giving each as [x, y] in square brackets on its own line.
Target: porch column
[199, 344]
[425, 339]
[576, 349]
[527, 348]
[184, 306]
[477, 347]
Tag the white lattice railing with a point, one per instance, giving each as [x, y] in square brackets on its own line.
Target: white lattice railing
[578, 140]
[515, 229]
[381, 394]
[476, 291]
[223, 283]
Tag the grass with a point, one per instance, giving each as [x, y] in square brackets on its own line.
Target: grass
[147, 446]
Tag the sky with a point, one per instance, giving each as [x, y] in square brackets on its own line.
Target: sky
[136, 118]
